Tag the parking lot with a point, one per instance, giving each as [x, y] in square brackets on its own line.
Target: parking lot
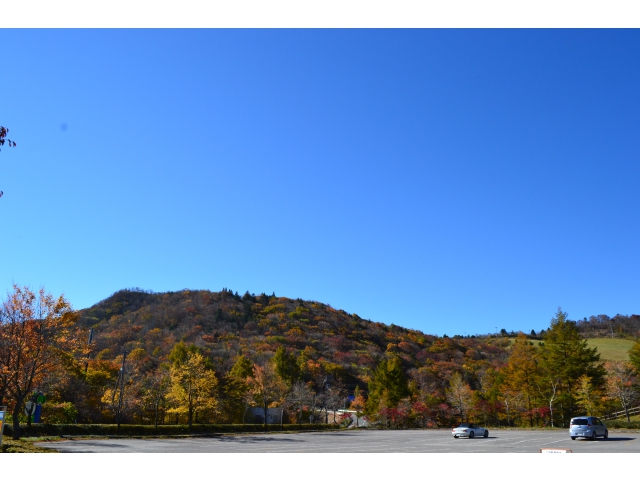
[361, 441]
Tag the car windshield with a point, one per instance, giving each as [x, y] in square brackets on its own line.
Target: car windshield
[579, 421]
[463, 425]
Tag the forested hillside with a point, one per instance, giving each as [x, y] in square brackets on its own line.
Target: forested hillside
[201, 356]
[324, 340]
[325, 347]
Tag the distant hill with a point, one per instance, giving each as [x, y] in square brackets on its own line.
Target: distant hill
[324, 339]
[604, 326]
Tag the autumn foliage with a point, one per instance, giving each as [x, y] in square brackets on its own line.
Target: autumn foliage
[197, 357]
[38, 335]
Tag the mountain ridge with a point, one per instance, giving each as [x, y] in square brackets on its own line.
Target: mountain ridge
[225, 325]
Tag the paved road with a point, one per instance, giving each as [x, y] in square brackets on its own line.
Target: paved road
[366, 441]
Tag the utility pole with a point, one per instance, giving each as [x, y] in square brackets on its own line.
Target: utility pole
[86, 363]
[124, 357]
[323, 394]
[157, 405]
[324, 388]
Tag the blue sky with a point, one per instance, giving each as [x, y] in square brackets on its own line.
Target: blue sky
[451, 181]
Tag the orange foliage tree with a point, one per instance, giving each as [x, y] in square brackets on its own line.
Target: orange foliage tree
[38, 334]
[521, 373]
[358, 404]
[265, 388]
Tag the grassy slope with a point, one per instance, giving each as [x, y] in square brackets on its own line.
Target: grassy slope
[609, 348]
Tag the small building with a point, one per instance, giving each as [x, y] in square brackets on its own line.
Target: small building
[256, 415]
[342, 414]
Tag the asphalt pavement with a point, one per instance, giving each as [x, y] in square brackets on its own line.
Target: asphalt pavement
[360, 441]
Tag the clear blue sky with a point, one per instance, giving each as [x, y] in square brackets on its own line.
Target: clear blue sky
[451, 181]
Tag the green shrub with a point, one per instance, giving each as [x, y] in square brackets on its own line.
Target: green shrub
[60, 412]
[45, 429]
[620, 423]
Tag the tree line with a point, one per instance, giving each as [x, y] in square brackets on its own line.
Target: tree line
[287, 355]
[548, 383]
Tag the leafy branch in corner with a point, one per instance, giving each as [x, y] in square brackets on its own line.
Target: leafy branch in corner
[3, 140]
[3, 137]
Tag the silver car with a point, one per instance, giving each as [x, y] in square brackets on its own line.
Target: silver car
[587, 427]
[469, 430]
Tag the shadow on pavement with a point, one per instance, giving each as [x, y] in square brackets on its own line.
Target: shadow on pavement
[277, 437]
[261, 439]
[101, 444]
[610, 439]
[78, 451]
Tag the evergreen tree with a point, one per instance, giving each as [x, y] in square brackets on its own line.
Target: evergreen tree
[179, 353]
[231, 391]
[566, 357]
[388, 382]
[490, 381]
[286, 365]
[233, 388]
[242, 368]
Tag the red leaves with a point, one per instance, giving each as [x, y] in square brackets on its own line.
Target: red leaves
[3, 137]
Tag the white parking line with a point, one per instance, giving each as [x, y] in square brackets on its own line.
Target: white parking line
[521, 441]
[557, 441]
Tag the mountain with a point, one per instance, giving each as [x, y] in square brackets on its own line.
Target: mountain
[323, 339]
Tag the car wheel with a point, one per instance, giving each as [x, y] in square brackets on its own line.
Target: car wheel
[486, 434]
[606, 434]
[471, 435]
[593, 436]
[573, 438]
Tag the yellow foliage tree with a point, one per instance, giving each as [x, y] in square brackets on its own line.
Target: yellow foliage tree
[586, 395]
[521, 373]
[193, 387]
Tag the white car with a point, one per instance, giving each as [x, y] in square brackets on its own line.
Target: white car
[469, 430]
